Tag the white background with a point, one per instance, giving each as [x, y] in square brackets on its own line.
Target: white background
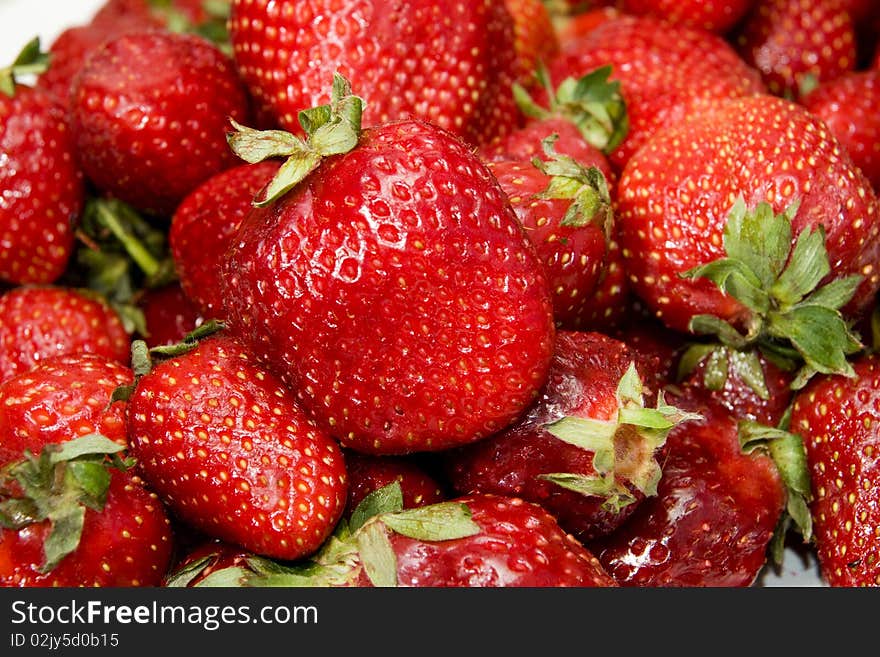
[21, 20]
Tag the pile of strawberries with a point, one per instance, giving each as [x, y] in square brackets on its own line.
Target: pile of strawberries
[441, 293]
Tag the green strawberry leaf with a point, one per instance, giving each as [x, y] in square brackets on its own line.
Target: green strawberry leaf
[64, 536]
[819, 334]
[443, 521]
[377, 555]
[31, 60]
[809, 265]
[616, 497]
[595, 436]
[388, 499]
[835, 294]
[747, 365]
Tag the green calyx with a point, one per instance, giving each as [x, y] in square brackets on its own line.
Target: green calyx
[720, 362]
[793, 321]
[214, 27]
[591, 103]
[586, 187]
[790, 456]
[30, 61]
[361, 545]
[624, 448]
[58, 486]
[330, 129]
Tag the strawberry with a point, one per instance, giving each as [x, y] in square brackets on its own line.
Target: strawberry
[535, 40]
[198, 565]
[41, 187]
[712, 15]
[750, 223]
[717, 507]
[797, 43]
[666, 72]
[608, 307]
[39, 323]
[226, 447]
[143, 139]
[847, 105]
[204, 225]
[837, 417]
[574, 26]
[471, 541]
[61, 399]
[391, 285]
[588, 450]
[565, 209]
[169, 315]
[73, 517]
[448, 62]
[368, 473]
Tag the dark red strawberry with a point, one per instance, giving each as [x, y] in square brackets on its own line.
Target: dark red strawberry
[230, 452]
[149, 116]
[204, 225]
[716, 510]
[392, 287]
[61, 399]
[565, 209]
[39, 323]
[847, 104]
[448, 62]
[41, 186]
[666, 72]
[838, 419]
[750, 223]
[368, 473]
[712, 15]
[70, 518]
[169, 315]
[198, 565]
[609, 307]
[472, 541]
[796, 44]
[589, 451]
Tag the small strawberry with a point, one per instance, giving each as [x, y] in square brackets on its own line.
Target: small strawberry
[838, 419]
[718, 508]
[447, 62]
[230, 452]
[797, 43]
[41, 187]
[61, 399]
[149, 116]
[169, 315]
[847, 104]
[386, 278]
[204, 225]
[589, 451]
[471, 541]
[39, 323]
[712, 15]
[368, 473]
[75, 516]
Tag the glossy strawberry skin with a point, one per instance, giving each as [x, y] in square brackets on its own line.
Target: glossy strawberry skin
[42, 322]
[712, 15]
[573, 256]
[150, 112]
[61, 399]
[837, 418]
[204, 225]
[41, 188]
[733, 150]
[535, 40]
[713, 517]
[226, 447]
[447, 62]
[129, 543]
[519, 545]
[847, 104]
[395, 291]
[169, 315]
[367, 473]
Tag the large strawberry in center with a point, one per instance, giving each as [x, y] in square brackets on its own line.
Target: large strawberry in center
[392, 285]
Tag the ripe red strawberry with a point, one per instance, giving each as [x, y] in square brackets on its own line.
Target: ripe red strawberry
[392, 287]
[838, 419]
[197, 567]
[565, 209]
[367, 474]
[712, 15]
[609, 306]
[574, 26]
[169, 315]
[149, 115]
[69, 518]
[41, 186]
[39, 323]
[448, 62]
[847, 104]
[716, 508]
[472, 541]
[666, 72]
[230, 452]
[750, 222]
[61, 399]
[588, 450]
[204, 225]
[797, 43]
[535, 40]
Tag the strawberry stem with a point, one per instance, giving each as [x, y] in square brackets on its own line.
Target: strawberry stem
[30, 61]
